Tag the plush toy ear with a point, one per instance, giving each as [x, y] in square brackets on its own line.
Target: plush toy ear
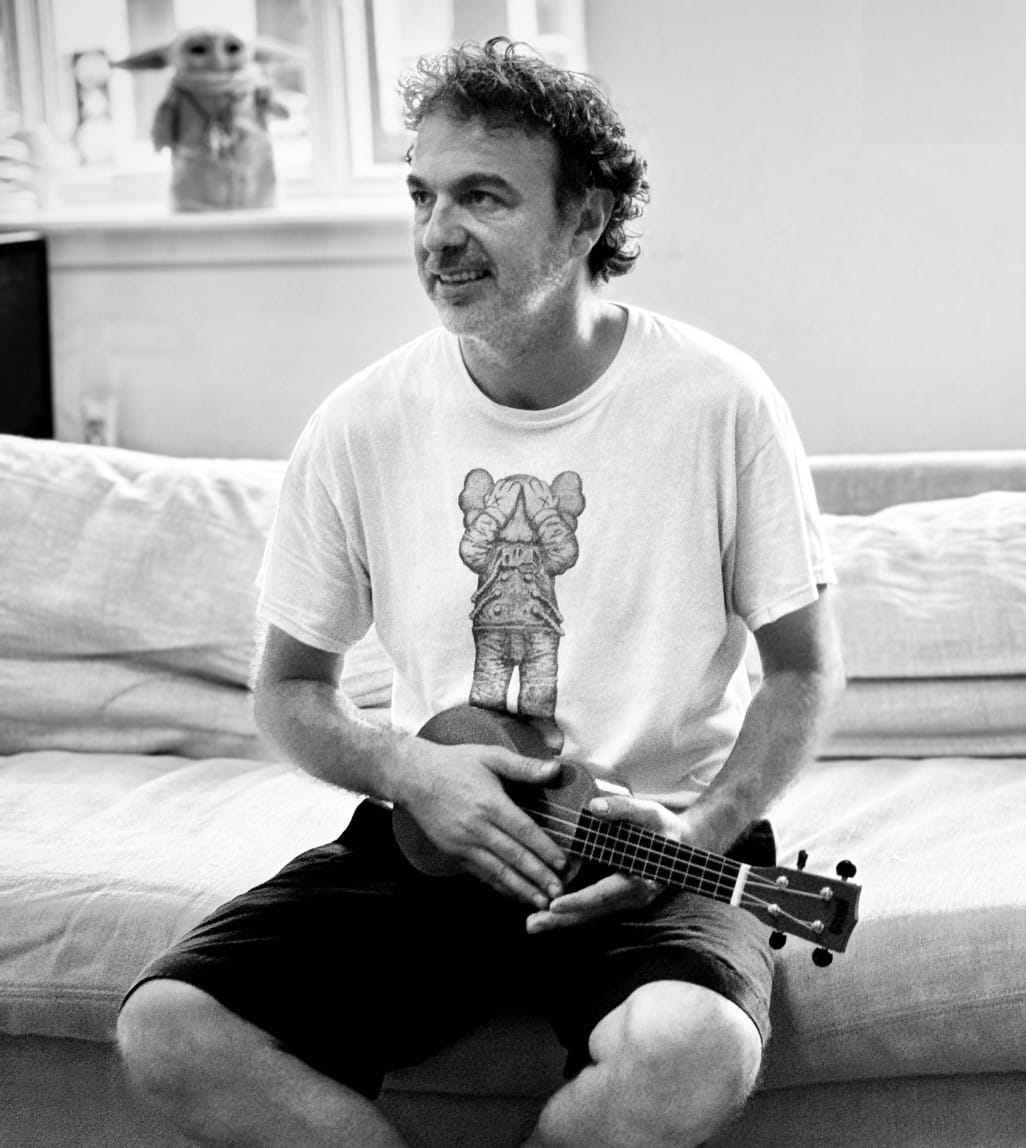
[270, 50]
[150, 60]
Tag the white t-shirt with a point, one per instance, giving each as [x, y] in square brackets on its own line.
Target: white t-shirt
[615, 549]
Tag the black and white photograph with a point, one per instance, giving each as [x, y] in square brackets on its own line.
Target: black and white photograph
[512, 573]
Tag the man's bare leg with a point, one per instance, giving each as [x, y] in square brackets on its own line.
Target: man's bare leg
[673, 1064]
[224, 1082]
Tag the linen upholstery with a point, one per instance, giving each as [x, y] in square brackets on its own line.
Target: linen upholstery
[866, 483]
[933, 589]
[930, 717]
[931, 607]
[938, 846]
[131, 579]
[106, 859]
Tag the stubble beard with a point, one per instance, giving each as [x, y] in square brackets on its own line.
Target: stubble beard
[508, 320]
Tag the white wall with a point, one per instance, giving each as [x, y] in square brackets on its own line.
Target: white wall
[838, 187]
[221, 338]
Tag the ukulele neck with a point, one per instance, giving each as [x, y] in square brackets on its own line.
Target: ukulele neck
[629, 848]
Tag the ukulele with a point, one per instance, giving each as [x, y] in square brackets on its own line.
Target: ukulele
[790, 901]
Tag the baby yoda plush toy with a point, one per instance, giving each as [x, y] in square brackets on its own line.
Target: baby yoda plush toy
[214, 118]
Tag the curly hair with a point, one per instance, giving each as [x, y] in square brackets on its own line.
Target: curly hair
[508, 86]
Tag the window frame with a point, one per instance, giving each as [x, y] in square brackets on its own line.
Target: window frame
[31, 32]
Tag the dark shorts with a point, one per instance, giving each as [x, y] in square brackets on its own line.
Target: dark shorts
[357, 964]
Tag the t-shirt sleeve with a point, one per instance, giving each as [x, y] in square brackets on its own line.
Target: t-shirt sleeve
[313, 580]
[780, 554]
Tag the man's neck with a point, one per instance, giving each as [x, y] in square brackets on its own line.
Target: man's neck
[546, 368]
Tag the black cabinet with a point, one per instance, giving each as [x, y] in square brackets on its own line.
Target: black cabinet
[26, 387]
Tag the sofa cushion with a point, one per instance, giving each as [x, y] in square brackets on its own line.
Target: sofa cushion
[930, 717]
[933, 589]
[127, 614]
[932, 979]
[106, 859]
[866, 483]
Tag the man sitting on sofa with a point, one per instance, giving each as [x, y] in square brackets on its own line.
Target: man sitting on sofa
[585, 498]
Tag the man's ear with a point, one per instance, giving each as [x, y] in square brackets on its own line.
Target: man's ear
[592, 214]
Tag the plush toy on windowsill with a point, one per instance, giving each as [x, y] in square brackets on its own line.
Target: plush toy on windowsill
[214, 118]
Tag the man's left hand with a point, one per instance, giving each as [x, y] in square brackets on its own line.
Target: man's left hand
[617, 893]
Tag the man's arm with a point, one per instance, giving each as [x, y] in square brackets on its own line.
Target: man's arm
[803, 677]
[453, 792]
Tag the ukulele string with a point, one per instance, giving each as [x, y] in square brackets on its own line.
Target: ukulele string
[611, 835]
[720, 873]
[748, 899]
[606, 836]
[608, 839]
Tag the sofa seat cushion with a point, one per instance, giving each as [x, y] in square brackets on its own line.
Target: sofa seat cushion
[106, 859]
[932, 981]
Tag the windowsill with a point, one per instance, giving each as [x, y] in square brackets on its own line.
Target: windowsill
[297, 231]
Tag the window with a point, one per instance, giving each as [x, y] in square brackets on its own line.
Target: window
[88, 123]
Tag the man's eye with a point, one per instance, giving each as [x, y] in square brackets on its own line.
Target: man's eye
[481, 198]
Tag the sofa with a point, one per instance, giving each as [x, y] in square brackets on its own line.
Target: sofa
[136, 794]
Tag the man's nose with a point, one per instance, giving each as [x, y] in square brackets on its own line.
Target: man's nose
[444, 228]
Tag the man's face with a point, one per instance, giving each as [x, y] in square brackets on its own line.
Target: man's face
[492, 251]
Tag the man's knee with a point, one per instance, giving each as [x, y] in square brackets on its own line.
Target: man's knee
[166, 1030]
[694, 1052]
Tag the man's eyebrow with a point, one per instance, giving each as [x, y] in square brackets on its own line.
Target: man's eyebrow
[465, 182]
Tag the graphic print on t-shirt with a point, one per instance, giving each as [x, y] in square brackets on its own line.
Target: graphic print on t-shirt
[519, 534]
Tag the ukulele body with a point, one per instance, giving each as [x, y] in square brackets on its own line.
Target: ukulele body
[556, 803]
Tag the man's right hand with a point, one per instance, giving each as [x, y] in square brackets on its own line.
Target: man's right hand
[455, 795]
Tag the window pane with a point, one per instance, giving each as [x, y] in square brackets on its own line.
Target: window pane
[150, 22]
[287, 23]
[10, 103]
[399, 32]
[480, 19]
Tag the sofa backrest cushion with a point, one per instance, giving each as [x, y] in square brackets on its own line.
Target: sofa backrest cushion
[931, 605]
[127, 601]
[933, 589]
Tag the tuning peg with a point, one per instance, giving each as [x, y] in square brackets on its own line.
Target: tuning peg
[777, 939]
[822, 957]
[846, 870]
[803, 857]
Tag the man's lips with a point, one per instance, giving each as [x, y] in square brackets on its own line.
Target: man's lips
[457, 276]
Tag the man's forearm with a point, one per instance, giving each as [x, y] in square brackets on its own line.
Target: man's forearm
[779, 736]
[322, 732]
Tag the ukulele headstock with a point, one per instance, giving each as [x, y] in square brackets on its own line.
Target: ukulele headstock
[823, 910]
